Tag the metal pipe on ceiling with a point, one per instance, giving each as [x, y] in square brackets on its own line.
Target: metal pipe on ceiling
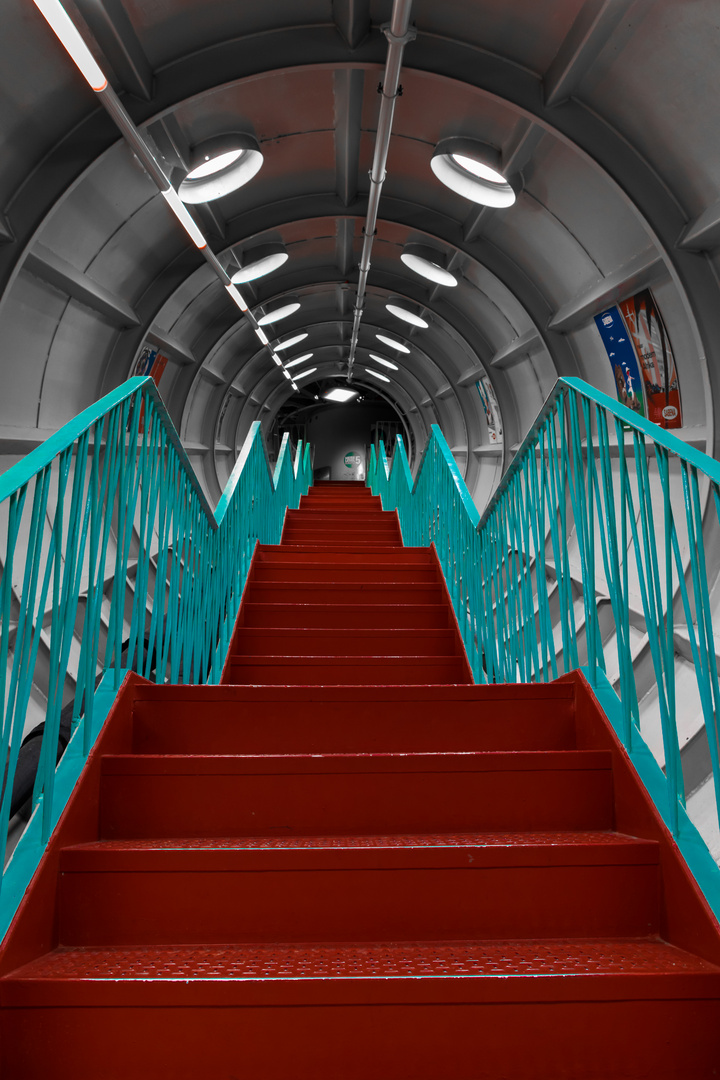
[398, 35]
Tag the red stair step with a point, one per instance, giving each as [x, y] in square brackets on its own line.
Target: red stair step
[309, 641]
[360, 719]
[307, 670]
[176, 895]
[346, 616]
[224, 796]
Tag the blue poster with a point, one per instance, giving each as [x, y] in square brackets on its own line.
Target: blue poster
[621, 354]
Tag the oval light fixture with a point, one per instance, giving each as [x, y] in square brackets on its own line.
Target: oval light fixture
[290, 341]
[288, 307]
[220, 165]
[259, 261]
[299, 359]
[383, 361]
[472, 169]
[302, 374]
[406, 316]
[377, 375]
[393, 344]
[428, 263]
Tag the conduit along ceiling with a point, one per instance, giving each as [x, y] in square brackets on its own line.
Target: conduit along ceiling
[544, 161]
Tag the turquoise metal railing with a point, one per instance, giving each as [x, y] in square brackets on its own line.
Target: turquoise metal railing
[114, 560]
[590, 554]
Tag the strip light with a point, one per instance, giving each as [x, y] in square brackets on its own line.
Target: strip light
[299, 359]
[377, 374]
[68, 36]
[235, 293]
[304, 373]
[393, 344]
[182, 213]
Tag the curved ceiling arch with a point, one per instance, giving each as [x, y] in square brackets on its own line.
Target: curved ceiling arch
[521, 267]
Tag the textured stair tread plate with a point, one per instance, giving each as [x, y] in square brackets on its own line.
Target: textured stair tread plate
[465, 851]
[273, 764]
[554, 838]
[556, 969]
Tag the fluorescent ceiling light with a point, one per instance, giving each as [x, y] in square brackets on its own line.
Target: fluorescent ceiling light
[428, 266]
[286, 374]
[279, 313]
[276, 358]
[68, 36]
[299, 359]
[260, 261]
[471, 169]
[393, 344]
[377, 374]
[262, 335]
[406, 316]
[383, 361]
[304, 373]
[219, 166]
[182, 213]
[290, 341]
[237, 297]
[338, 394]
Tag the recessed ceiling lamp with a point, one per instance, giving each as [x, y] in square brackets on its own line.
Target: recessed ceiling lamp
[288, 307]
[219, 166]
[377, 375]
[406, 316]
[338, 394]
[383, 361]
[259, 261]
[304, 373]
[290, 341]
[472, 169]
[299, 359]
[393, 344]
[428, 263]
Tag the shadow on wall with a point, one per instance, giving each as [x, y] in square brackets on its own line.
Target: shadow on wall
[341, 435]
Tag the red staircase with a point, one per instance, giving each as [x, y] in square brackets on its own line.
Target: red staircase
[349, 862]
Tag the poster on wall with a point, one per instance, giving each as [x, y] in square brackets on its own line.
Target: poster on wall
[491, 409]
[638, 347]
[150, 362]
[657, 363]
[623, 361]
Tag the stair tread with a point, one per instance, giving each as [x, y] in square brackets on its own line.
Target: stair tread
[557, 838]
[374, 960]
[453, 761]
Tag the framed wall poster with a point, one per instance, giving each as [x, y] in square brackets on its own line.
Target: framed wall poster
[657, 363]
[623, 361]
[491, 409]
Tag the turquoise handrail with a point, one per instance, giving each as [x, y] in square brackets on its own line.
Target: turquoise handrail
[114, 560]
[591, 553]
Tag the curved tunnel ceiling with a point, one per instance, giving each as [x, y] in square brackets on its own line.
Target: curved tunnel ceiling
[602, 113]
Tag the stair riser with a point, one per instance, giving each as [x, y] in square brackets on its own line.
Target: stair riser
[278, 642]
[347, 726]
[302, 534]
[153, 907]
[337, 671]
[529, 1040]
[320, 592]
[339, 514]
[285, 557]
[343, 803]
[347, 617]
[400, 575]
